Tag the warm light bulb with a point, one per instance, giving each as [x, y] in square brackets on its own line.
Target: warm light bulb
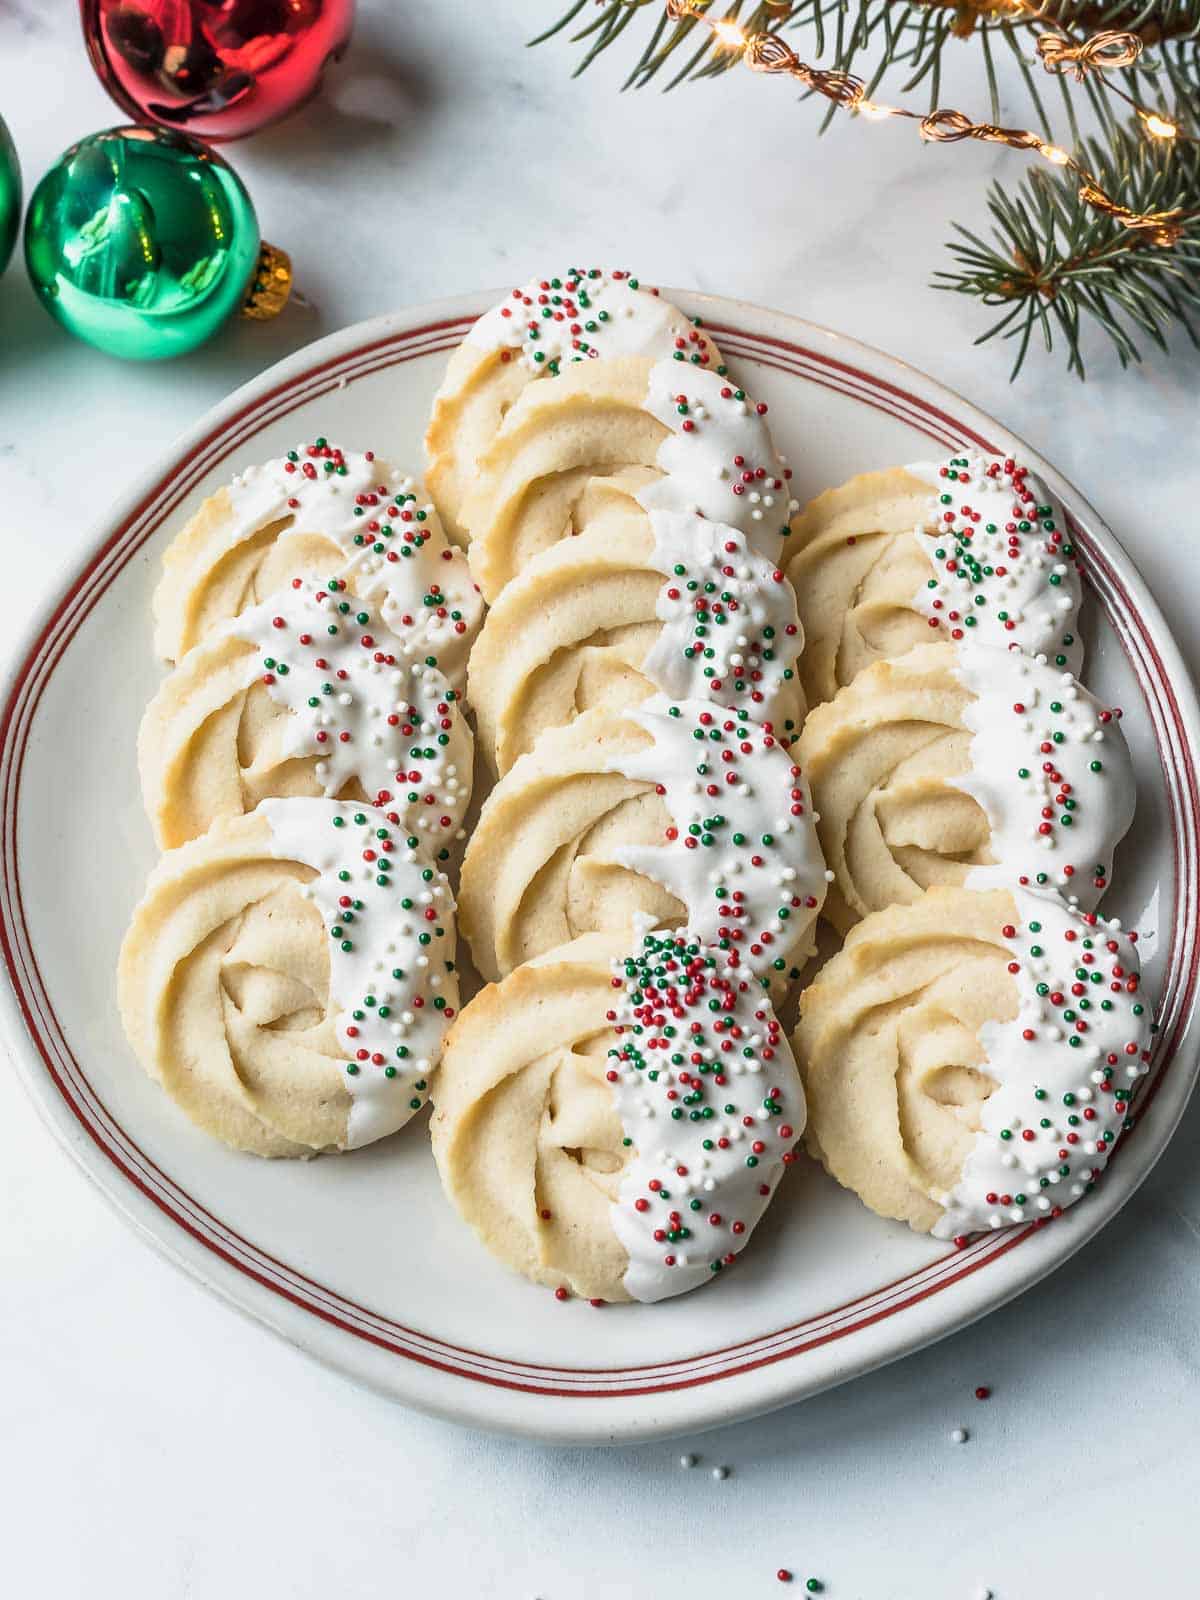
[1158, 126]
[729, 33]
[873, 112]
[1054, 154]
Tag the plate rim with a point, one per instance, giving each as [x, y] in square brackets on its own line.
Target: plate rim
[625, 1417]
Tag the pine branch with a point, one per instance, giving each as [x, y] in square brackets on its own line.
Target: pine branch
[898, 36]
[1053, 264]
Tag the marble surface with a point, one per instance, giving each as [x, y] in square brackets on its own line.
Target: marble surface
[155, 1443]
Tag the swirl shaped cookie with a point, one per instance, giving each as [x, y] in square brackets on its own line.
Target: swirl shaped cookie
[965, 764]
[680, 812]
[970, 1058]
[973, 547]
[320, 511]
[584, 1149]
[637, 601]
[704, 444]
[542, 328]
[288, 977]
[309, 694]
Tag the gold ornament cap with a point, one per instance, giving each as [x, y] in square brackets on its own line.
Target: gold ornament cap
[271, 285]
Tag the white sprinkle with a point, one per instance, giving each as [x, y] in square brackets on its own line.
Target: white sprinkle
[960, 1436]
[688, 1461]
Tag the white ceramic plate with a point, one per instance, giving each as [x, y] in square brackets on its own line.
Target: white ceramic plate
[358, 1259]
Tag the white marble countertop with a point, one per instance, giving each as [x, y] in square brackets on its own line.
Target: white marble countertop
[156, 1444]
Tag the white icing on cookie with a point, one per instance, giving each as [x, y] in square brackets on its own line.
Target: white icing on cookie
[730, 632]
[364, 706]
[585, 313]
[1064, 1067]
[390, 918]
[741, 852]
[719, 460]
[711, 1103]
[1051, 769]
[1002, 556]
[395, 550]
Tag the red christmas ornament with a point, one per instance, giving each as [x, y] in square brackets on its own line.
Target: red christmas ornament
[217, 69]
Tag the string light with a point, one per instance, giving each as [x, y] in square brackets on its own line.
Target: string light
[768, 52]
[729, 33]
[1101, 53]
[1158, 126]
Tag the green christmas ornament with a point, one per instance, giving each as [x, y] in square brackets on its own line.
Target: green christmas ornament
[144, 243]
[10, 195]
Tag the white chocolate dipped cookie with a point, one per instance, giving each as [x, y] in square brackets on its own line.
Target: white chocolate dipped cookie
[539, 330]
[965, 763]
[969, 1059]
[587, 1150]
[705, 444]
[684, 813]
[638, 601]
[975, 547]
[321, 511]
[309, 694]
[288, 977]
